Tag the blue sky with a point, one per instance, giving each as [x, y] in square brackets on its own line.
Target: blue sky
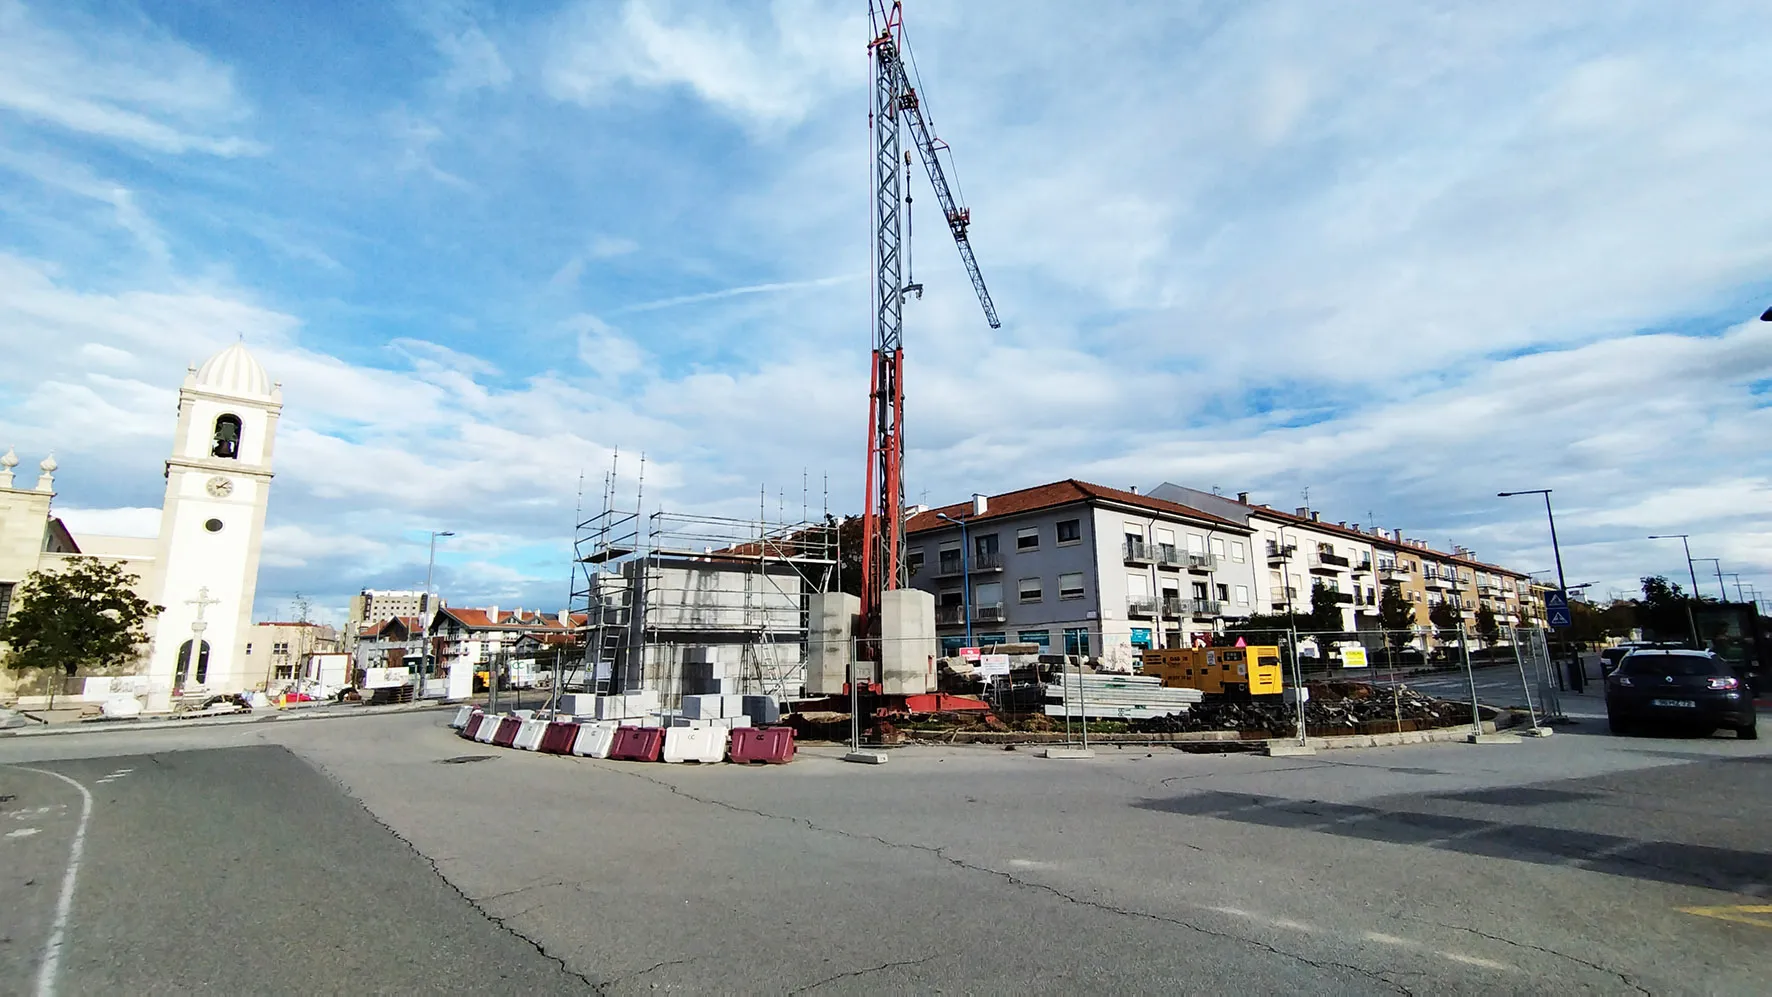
[1404, 255]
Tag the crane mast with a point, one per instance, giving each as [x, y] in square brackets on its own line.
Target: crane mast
[895, 101]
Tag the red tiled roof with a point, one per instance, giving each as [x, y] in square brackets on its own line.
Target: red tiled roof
[1061, 493]
[480, 619]
[1382, 540]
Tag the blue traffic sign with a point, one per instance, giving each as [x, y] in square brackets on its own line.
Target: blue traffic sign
[1556, 609]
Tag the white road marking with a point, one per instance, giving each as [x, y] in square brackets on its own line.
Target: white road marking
[1471, 960]
[23, 832]
[52, 950]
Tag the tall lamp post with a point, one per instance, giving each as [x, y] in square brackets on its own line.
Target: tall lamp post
[1718, 564]
[1576, 678]
[965, 573]
[1691, 572]
[1739, 595]
[979, 508]
[424, 650]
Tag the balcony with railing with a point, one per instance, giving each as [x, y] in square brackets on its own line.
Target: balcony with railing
[1142, 606]
[1138, 552]
[948, 567]
[950, 616]
[1363, 566]
[1205, 607]
[1393, 572]
[1437, 580]
[1492, 590]
[1279, 552]
[1169, 557]
[1345, 598]
[1206, 563]
[986, 562]
[1328, 564]
[1174, 606]
[990, 612]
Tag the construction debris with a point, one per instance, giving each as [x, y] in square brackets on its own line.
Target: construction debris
[1339, 708]
[1115, 697]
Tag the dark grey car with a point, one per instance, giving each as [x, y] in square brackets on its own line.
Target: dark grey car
[1691, 689]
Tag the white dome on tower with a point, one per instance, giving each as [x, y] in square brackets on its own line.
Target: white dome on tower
[234, 371]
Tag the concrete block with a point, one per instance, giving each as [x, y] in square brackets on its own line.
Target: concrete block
[641, 701]
[704, 707]
[762, 710]
[1537, 732]
[731, 705]
[1492, 739]
[578, 704]
[1068, 753]
[907, 642]
[831, 620]
[610, 708]
[1288, 749]
[694, 744]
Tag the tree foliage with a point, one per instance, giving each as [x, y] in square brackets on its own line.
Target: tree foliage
[1487, 629]
[84, 618]
[1444, 617]
[1395, 615]
[1665, 612]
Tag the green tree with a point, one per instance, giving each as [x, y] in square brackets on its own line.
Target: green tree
[1665, 612]
[85, 618]
[1396, 616]
[1487, 628]
[1444, 617]
[1325, 614]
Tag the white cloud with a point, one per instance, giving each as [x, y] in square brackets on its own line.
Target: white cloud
[133, 85]
[769, 71]
[137, 521]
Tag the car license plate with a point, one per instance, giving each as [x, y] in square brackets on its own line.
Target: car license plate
[1689, 704]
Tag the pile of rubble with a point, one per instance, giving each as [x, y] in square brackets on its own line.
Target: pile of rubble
[1334, 708]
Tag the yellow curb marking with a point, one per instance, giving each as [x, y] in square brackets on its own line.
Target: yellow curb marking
[1758, 915]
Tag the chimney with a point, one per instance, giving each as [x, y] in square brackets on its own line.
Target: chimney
[1302, 512]
[1243, 497]
[1316, 517]
[1133, 489]
[1397, 536]
[492, 613]
[565, 617]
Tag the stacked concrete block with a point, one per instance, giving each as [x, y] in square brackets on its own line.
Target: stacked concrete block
[704, 707]
[907, 642]
[832, 618]
[761, 710]
[578, 704]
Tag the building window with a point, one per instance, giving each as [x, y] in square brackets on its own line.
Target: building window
[988, 640]
[5, 600]
[1027, 538]
[1141, 638]
[950, 646]
[1237, 551]
[1242, 595]
[1070, 585]
[1196, 544]
[1029, 590]
[227, 437]
[280, 647]
[950, 558]
[1040, 637]
[1166, 545]
[953, 597]
[1070, 531]
[249, 647]
[1224, 593]
[1200, 591]
[985, 547]
[913, 560]
[1076, 640]
[1218, 547]
[988, 596]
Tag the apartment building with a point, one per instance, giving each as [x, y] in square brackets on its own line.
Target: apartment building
[1301, 551]
[372, 607]
[1083, 569]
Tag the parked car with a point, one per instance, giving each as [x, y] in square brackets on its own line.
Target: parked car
[1611, 656]
[1693, 689]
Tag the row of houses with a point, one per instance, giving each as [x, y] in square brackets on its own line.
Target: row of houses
[1105, 572]
[452, 637]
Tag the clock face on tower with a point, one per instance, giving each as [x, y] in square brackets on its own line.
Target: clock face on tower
[220, 487]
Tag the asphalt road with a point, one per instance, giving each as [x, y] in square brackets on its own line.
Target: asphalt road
[240, 860]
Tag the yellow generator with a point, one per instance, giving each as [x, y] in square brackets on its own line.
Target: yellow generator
[1236, 671]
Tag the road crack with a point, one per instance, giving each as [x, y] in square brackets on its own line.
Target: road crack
[864, 972]
[1625, 977]
[1017, 881]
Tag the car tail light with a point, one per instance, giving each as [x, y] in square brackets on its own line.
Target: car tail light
[1726, 682]
[1623, 680]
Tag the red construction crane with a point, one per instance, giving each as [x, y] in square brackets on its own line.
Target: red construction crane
[896, 102]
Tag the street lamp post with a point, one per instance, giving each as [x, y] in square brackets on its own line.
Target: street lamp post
[1722, 593]
[424, 649]
[965, 573]
[1739, 596]
[1576, 678]
[1691, 572]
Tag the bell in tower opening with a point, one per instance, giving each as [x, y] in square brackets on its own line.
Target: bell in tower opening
[227, 437]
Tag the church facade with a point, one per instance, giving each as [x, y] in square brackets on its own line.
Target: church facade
[203, 565]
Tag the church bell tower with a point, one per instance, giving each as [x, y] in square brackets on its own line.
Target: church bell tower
[218, 483]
